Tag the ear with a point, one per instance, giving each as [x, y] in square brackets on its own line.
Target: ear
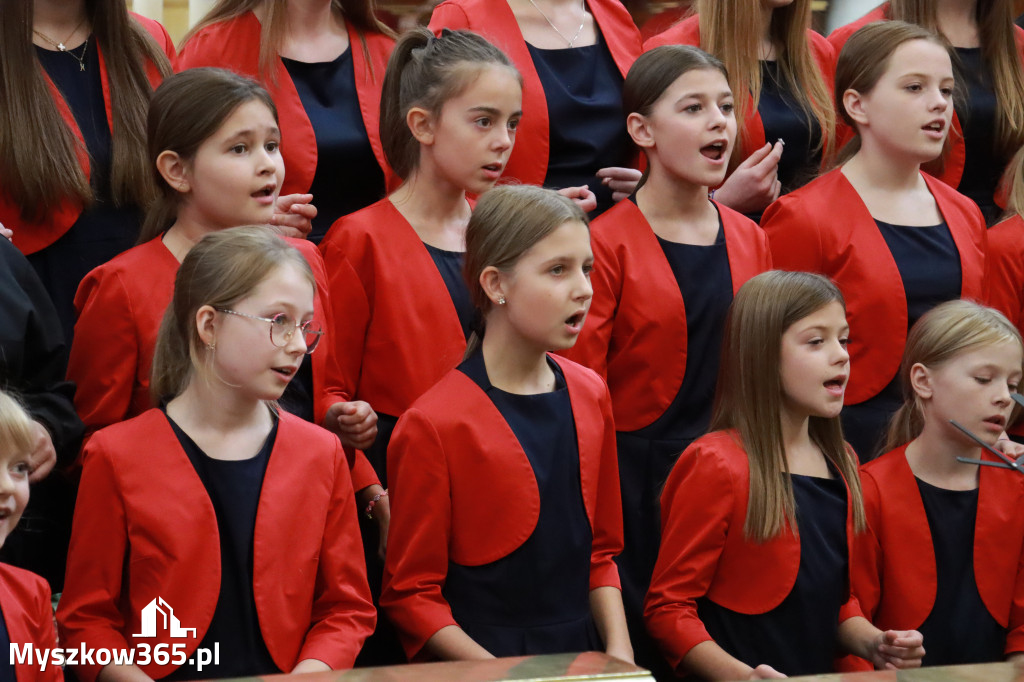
[492, 280]
[206, 325]
[640, 130]
[853, 102]
[174, 170]
[921, 381]
[421, 125]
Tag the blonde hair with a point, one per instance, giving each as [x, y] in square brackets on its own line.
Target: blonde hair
[16, 430]
[748, 397]
[222, 269]
[729, 30]
[506, 223]
[944, 332]
[1013, 180]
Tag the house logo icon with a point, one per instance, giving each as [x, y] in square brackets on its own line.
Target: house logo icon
[158, 608]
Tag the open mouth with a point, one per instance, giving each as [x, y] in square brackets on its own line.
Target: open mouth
[836, 385]
[286, 372]
[935, 127]
[264, 193]
[998, 420]
[576, 319]
[714, 151]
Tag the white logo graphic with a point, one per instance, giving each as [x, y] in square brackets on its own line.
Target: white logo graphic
[170, 622]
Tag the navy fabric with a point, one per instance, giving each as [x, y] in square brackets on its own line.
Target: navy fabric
[985, 161]
[6, 666]
[583, 88]
[959, 628]
[536, 600]
[449, 265]
[103, 230]
[800, 635]
[297, 398]
[234, 488]
[785, 119]
[348, 176]
[929, 265]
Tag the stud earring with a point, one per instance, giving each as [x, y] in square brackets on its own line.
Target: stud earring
[501, 300]
[211, 346]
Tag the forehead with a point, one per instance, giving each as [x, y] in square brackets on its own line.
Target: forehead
[1006, 355]
[830, 316]
[250, 115]
[919, 57]
[493, 85]
[286, 283]
[571, 238]
[702, 81]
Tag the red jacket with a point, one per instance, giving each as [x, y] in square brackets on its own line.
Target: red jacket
[824, 227]
[28, 615]
[397, 331]
[955, 155]
[130, 544]
[495, 21]
[32, 237]
[687, 32]
[235, 44]
[462, 489]
[705, 553]
[894, 574]
[1004, 277]
[635, 334]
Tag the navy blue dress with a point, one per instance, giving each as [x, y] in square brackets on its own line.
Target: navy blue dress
[348, 176]
[785, 119]
[799, 636]
[103, 230]
[959, 628]
[985, 161]
[929, 265]
[234, 489]
[536, 600]
[583, 88]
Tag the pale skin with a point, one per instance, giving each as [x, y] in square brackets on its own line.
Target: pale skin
[958, 21]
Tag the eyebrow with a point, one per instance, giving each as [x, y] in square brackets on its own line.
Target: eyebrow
[493, 111]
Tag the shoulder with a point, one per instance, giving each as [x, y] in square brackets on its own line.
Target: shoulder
[457, 13]
[950, 199]
[364, 222]
[735, 221]
[887, 466]
[617, 224]
[23, 582]
[213, 44]
[823, 50]
[156, 30]
[303, 246]
[124, 437]
[842, 34]
[582, 378]
[137, 258]
[721, 448]
[686, 32]
[1007, 236]
[137, 269]
[315, 439]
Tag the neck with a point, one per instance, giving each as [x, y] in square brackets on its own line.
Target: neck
[310, 16]
[767, 47]
[666, 197]
[210, 404]
[796, 435]
[872, 167]
[512, 364]
[956, 10]
[186, 232]
[427, 200]
[58, 14]
[933, 457]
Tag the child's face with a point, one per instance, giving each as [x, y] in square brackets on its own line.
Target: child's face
[973, 388]
[814, 364]
[236, 175]
[14, 471]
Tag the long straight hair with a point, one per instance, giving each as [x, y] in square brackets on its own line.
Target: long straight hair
[16, 431]
[729, 30]
[362, 14]
[1013, 180]
[749, 396]
[998, 51]
[38, 151]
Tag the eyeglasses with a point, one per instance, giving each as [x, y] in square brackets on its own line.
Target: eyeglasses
[282, 327]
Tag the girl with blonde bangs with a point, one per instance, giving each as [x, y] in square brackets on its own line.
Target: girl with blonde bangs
[787, 125]
[989, 120]
[944, 551]
[759, 517]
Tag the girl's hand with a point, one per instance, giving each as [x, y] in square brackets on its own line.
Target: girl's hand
[354, 422]
[293, 215]
[765, 672]
[310, 665]
[1010, 448]
[382, 515]
[621, 181]
[5, 233]
[621, 651]
[43, 456]
[584, 198]
[898, 649]
[755, 182]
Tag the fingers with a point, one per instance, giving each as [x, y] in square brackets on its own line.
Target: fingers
[43, 457]
[766, 672]
[285, 202]
[620, 180]
[756, 157]
[5, 233]
[288, 230]
[584, 198]
[356, 424]
[901, 649]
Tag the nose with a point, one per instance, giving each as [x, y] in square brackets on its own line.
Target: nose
[584, 289]
[940, 101]
[266, 161]
[1003, 395]
[6, 482]
[841, 354]
[296, 342]
[718, 118]
[503, 137]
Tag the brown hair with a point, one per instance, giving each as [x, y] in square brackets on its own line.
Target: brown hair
[16, 430]
[506, 223]
[38, 151]
[945, 331]
[188, 108]
[749, 397]
[426, 72]
[1013, 180]
[729, 30]
[221, 269]
[655, 71]
[362, 14]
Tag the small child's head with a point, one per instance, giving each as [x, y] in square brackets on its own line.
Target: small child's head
[238, 297]
[17, 441]
[214, 150]
[456, 95]
[528, 254]
[680, 113]
[962, 361]
[894, 81]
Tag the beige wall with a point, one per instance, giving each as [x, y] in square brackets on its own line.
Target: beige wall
[176, 15]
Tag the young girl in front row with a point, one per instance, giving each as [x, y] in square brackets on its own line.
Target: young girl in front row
[758, 517]
[505, 485]
[274, 595]
[667, 263]
[945, 552]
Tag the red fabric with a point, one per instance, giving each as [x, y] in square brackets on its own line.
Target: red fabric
[397, 331]
[1004, 269]
[462, 489]
[894, 574]
[705, 553]
[28, 614]
[129, 546]
[635, 334]
[235, 44]
[687, 32]
[495, 21]
[32, 237]
[824, 227]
